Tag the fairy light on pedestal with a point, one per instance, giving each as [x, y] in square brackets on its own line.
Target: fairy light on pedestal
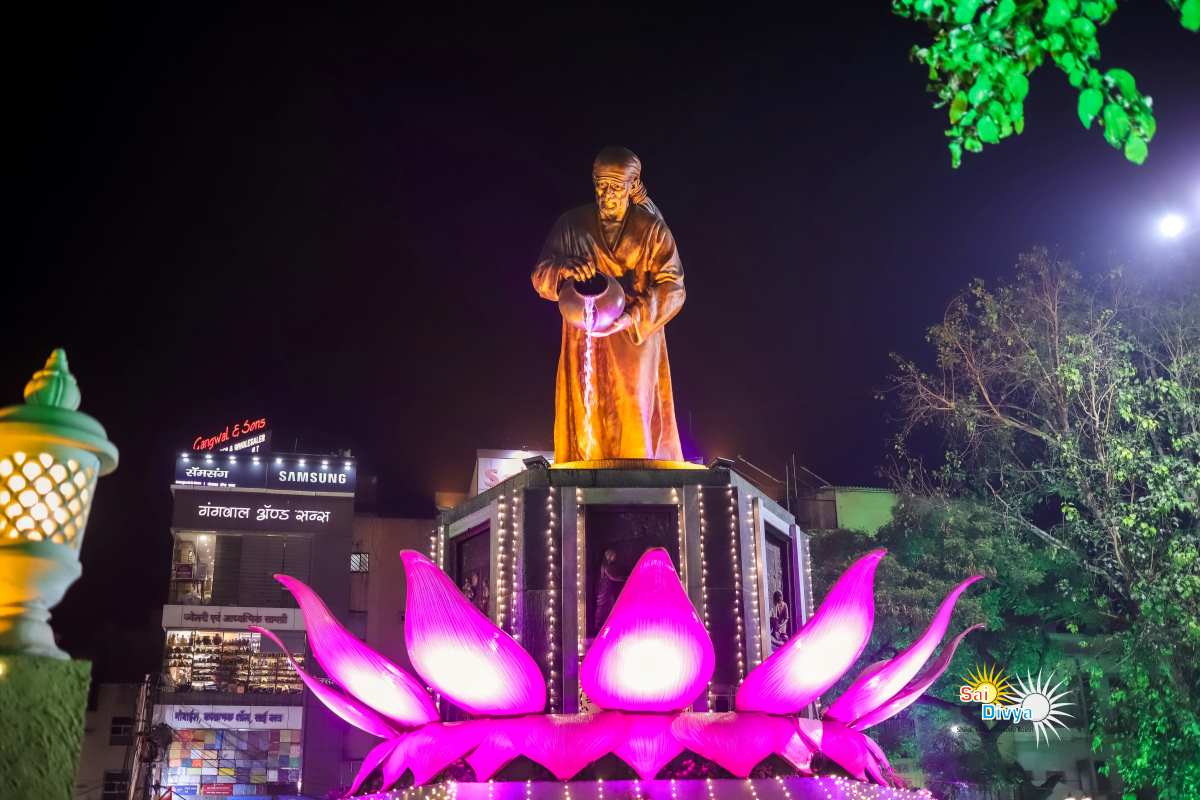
[501, 561]
[782, 785]
[679, 525]
[552, 603]
[515, 565]
[580, 575]
[704, 586]
[752, 521]
[737, 585]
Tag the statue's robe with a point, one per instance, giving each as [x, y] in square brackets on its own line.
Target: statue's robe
[634, 412]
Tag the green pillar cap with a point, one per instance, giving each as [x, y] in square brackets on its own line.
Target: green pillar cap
[54, 385]
[50, 414]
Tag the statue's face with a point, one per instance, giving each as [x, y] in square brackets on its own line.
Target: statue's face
[612, 197]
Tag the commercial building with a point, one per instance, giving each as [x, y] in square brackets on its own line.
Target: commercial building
[241, 724]
[105, 763]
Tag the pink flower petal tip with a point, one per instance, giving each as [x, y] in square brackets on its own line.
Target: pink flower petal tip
[822, 651]
[357, 668]
[881, 682]
[460, 652]
[653, 653]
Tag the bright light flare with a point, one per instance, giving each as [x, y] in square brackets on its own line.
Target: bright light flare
[1172, 226]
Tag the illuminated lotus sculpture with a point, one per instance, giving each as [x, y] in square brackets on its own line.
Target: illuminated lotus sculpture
[650, 661]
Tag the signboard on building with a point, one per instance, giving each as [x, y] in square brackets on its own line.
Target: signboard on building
[327, 474]
[207, 510]
[495, 466]
[248, 433]
[234, 717]
[231, 617]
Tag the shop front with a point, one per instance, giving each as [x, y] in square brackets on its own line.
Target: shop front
[241, 723]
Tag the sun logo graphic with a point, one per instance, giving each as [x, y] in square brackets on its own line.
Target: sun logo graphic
[987, 684]
[1037, 701]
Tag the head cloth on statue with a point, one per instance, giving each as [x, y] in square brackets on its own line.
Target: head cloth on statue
[623, 164]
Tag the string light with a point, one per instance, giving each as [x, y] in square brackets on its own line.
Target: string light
[580, 574]
[752, 521]
[515, 565]
[704, 586]
[501, 533]
[737, 585]
[552, 600]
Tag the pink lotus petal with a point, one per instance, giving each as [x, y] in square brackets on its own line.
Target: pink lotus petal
[372, 761]
[653, 653]
[845, 748]
[797, 753]
[874, 772]
[884, 773]
[565, 744]
[502, 740]
[909, 694]
[736, 741]
[649, 744]
[877, 684]
[364, 673]
[458, 650]
[346, 707]
[820, 652]
[394, 765]
[811, 731]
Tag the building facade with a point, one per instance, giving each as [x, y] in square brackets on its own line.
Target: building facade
[106, 758]
[240, 722]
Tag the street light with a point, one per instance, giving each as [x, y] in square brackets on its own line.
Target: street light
[1172, 226]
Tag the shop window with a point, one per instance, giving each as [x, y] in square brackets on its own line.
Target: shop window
[116, 784]
[360, 562]
[229, 661]
[252, 762]
[120, 730]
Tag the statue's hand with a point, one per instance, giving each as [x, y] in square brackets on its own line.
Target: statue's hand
[619, 324]
[576, 268]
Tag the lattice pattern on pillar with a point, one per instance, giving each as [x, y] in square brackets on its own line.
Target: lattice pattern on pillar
[44, 499]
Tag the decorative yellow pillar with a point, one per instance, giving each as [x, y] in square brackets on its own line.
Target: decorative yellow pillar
[50, 458]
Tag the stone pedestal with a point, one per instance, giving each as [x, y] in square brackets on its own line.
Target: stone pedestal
[42, 704]
[528, 553]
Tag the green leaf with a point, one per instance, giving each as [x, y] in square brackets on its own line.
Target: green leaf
[1136, 150]
[958, 107]
[964, 10]
[1116, 124]
[1124, 82]
[1057, 13]
[1189, 15]
[955, 155]
[1090, 101]
[1018, 85]
[988, 131]
[1147, 125]
[973, 145]
[1004, 12]
[980, 91]
[1081, 26]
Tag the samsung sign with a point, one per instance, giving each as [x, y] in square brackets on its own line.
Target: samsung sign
[331, 474]
[295, 478]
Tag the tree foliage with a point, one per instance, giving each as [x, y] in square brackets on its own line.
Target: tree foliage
[1072, 410]
[984, 51]
[933, 543]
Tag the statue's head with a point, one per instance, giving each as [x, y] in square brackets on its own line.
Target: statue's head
[616, 176]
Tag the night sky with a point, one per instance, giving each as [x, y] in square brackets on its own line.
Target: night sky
[328, 218]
